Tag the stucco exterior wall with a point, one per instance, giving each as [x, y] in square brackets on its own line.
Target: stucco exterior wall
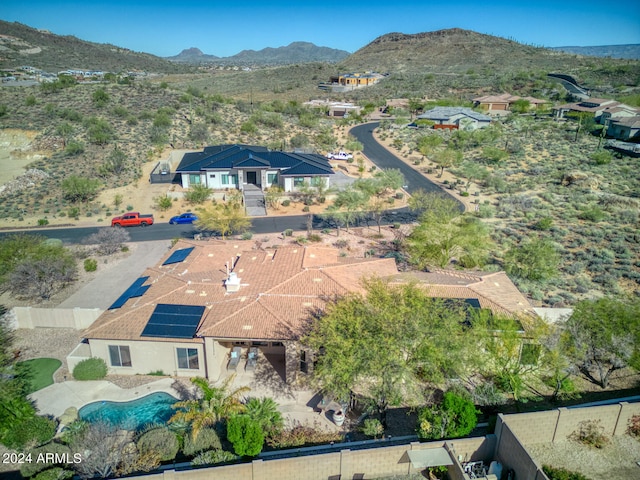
[149, 357]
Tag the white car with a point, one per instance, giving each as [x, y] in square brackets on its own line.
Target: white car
[339, 156]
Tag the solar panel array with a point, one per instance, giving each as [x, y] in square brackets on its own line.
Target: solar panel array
[173, 321]
[178, 256]
[135, 290]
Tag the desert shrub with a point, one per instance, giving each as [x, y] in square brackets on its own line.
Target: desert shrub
[298, 434]
[90, 265]
[207, 439]
[108, 241]
[288, 232]
[55, 473]
[314, 237]
[197, 194]
[590, 433]
[79, 189]
[286, 203]
[73, 148]
[592, 214]
[30, 469]
[455, 417]
[246, 435]
[562, 474]
[160, 441]
[372, 428]
[247, 235]
[3, 109]
[213, 456]
[634, 426]
[31, 432]
[42, 222]
[602, 157]
[163, 202]
[90, 369]
[99, 131]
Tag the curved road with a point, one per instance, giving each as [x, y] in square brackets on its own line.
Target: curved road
[383, 158]
[163, 231]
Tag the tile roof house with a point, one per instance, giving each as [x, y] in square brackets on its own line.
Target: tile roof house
[235, 166]
[462, 118]
[503, 102]
[186, 314]
[602, 109]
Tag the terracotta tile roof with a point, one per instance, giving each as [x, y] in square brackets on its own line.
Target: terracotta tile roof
[278, 290]
[493, 290]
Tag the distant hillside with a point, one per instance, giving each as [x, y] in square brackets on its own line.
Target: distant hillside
[23, 45]
[631, 51]
[296, 52]
[454, 50]
[193, 56]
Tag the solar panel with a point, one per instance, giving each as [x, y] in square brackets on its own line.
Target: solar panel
[173, 321]
[178, 256]
[135, 290]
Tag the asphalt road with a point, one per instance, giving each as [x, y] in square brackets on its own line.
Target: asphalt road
[384, 159]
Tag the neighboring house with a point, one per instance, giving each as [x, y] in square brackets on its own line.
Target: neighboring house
[234, 166]
[357, 79]
[462, 118]
[334, 109]
[185, 315]
[601, 108]
[626, 128]
[504, 102]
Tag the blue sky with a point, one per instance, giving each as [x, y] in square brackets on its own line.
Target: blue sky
[224, 28]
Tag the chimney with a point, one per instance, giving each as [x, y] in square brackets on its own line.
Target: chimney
[232, 284]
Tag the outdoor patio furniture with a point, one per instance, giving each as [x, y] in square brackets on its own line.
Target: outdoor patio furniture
[234, 358]
[252, 359]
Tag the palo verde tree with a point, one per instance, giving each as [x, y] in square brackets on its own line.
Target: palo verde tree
[444, 234]
[535, 259]
[225, 218]
[386, 343]
[80, 189]
[603, 336]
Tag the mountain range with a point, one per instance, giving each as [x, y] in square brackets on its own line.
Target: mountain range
[296, 52]
[631, 51]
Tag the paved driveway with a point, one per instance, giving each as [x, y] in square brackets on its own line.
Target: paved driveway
[384, 159]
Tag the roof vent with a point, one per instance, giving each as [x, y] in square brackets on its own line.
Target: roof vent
[232, 283]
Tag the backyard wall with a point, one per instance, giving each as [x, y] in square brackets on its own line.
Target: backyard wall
[345, 464]
[78, 318]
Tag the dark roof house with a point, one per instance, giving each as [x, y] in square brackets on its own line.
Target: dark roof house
[234, 166]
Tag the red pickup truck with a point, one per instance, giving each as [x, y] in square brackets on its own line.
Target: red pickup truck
[132, 219]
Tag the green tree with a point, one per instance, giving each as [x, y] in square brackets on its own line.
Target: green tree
[536, 260]
[386, 343]
[348, 206]
[444, 234]
[224, 218]
[199, 133]
[447, 158]
[214, 405]
[521, 106]
[80, 189]
[246, 435]
[493, 154]
[115, 162]
[603, 336]
[455, 417]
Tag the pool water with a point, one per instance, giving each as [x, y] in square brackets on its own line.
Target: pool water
[133, 415]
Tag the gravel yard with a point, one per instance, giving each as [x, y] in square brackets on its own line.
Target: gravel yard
[616, 460]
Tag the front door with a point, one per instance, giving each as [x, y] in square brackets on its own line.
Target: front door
[252, 178]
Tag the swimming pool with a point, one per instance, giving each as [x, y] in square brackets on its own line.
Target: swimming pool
[132, 415]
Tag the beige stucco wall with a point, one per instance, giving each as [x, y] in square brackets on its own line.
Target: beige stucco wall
[78, 318]
[149, 357]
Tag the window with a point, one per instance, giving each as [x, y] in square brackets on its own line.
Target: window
[194, 179]
[120, 356]
[229, 179]
[298, 181]
[188, 358]
[272, 178]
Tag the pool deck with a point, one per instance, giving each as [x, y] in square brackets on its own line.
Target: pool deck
[295, 405]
